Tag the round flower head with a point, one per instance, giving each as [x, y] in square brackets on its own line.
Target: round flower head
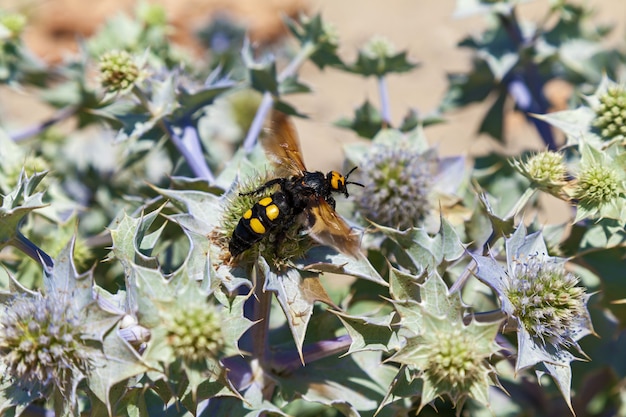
[397, 184]
[547, 300]
[545, 169]
[195, 333]
[597, 185]
[118, 71]
[40, 343]
[14, 24]
[378, 47]
[611, 113]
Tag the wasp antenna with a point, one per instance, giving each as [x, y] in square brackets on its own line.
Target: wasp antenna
[355, 183]
[350, 172]
[352, 182]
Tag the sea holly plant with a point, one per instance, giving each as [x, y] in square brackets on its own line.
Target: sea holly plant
[514, 60]
[449, 357]
[544, 302]
[120, 294]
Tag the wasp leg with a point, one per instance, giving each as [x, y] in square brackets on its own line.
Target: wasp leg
[331, 201]
[265, 186]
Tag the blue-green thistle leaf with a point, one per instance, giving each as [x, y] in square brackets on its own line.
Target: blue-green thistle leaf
[296, 292]
[17, 204]
[359, 379]
[368, 333]
[324, 259]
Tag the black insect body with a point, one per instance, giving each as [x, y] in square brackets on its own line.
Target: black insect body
[303, 196]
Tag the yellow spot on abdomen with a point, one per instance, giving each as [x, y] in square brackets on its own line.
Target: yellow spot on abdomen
[247, 214]
[266, 201]
[257, 226]
[272, 211]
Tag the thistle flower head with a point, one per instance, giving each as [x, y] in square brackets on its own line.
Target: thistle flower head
[41, 344]
[611, 113]
[545, 169]
[152, 14]
[195, 332]
[455, 360]
[547, 303]
[14, 23]
[397, 184]
[597, 185]
[378, 47]
[450, 356]
[118, 71]
[547, 300]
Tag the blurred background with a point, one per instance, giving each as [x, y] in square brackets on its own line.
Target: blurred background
[428, 30]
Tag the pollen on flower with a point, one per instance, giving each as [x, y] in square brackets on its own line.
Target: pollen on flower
[41, 343]
[195, 333]
[597, 185]
[118, 71]
[611, 113]
[548, 303]
[397, 184]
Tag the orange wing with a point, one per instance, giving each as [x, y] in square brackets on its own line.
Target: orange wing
[329, 229]
[282, 145]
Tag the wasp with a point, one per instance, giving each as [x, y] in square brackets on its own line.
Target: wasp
[304, 196]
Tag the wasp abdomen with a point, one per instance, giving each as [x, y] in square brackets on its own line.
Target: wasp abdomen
[258, 221]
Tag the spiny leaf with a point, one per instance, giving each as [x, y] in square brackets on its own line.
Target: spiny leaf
[131, 242]
[296, 292]
[200, 211]
[361, 378]
[324, 259]
[118, 362]
[18, 203]
[367, 333]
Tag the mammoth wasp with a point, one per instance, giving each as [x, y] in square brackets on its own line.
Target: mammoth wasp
[302, 196]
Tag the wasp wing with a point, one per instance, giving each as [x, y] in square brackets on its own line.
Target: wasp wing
[328, 228]
[282, 145]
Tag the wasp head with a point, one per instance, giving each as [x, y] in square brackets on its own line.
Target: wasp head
[338, 182]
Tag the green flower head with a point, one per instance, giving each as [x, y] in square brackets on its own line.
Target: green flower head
[545, 169]
[195, 332]
[378, 47]
[611, 113]
[119, 71]
[13, 23]
[450, 356]
[600, 189]
[41, 344]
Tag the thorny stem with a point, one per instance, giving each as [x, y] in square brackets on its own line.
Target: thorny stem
[59, 116]
[22, 243]
[261, 314]
[188, 144]
[268, 100]
[287, 362]
[384, 101]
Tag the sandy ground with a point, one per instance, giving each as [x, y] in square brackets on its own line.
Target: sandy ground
[427, 29]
